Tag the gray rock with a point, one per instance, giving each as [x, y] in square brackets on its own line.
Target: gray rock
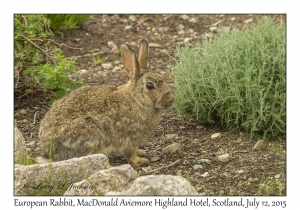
[166, 185]
[114, 179]
[259, 144]
[171, 148]
[48, 178]
[224, 158]
[19, 146]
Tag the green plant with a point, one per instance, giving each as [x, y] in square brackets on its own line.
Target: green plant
[97, 59]
[38, 62]
[62, 22]
[159, 18]
[272, 147]
[178, 191]
[139, 173]
[236, 78]
[156, 192]
[270, 186]
[178, 173]
[27, 160]
[221, 193]
[107, 156]
[158, 38]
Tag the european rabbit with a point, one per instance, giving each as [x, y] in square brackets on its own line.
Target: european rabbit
[107, 118]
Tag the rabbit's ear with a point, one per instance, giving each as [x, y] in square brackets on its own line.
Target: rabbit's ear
[130, 62]
[143, 54]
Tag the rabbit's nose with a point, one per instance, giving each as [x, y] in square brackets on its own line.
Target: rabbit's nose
[170, 98]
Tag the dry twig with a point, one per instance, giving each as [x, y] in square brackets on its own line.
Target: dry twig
[167, 166]
[40, 49]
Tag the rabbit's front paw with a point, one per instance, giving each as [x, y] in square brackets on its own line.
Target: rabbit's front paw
[137, 163]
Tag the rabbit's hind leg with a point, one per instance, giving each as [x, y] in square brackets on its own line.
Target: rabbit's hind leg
[135, 161]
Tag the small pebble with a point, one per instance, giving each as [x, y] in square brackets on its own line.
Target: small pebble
[184, 17]
[191, 31]
[155, 158]
[107, 65]
[171, 148]
[240, 171]
[212, 29]
[259, 144]
[180, 26]
[132, 18]
[216, 136]
[277, 176]
[195, 167]
[181, 32]
[205, 174]
[248, 20]
[154, 45]
[186, 40]
[82, 71]
[22, 111]
[192, 20]
[205, 161]
[224, 158]
[128, 27]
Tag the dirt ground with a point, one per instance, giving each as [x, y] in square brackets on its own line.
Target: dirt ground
[248, 172]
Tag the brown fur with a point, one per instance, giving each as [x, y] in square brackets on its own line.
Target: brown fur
[104, 119]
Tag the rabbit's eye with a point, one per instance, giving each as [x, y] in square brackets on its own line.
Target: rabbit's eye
[149, 86]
